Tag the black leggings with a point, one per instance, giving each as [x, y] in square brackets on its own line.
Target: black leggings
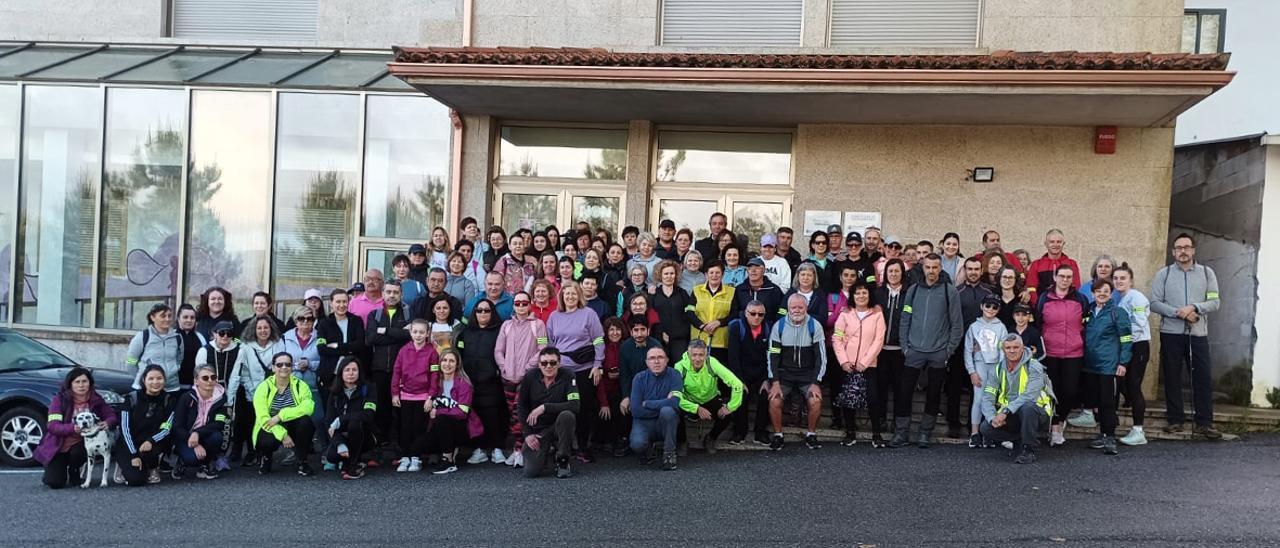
[586, 416]
[242, 431]
[1104, 388]
[888, 369]
[64, 468]
[957, 386]
[357, 435]
[1064, 373]
[934, 377]
[1131, 385]
[301, 430]
[494, 417]
[413, 422]
[138, 476]
[442, 437]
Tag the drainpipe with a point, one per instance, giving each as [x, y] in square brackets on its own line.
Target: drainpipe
[468, 8]
[455, 171]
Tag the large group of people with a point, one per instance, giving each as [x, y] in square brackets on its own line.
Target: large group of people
[537, 349]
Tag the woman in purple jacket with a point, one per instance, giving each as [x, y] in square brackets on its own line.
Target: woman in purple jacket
[62, 449]
[575, 330]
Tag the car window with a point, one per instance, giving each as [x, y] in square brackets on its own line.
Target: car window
[20, 353]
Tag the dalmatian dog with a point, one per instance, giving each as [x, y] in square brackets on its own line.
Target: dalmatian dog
[98, 441]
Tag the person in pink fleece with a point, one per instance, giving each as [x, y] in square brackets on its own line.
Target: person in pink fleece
[857, 341]
[519, 341]
[411, 379]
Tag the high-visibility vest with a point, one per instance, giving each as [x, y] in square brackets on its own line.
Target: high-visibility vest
[1002, 396]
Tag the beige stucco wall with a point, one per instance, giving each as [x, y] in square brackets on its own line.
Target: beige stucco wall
[1082, 25]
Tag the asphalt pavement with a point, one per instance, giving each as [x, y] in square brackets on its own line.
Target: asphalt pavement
[1188, 493]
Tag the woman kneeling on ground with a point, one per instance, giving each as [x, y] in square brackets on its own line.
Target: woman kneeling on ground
[62, 449]
[352, 404]
[282, 408]
[198, 422]
[144, 430]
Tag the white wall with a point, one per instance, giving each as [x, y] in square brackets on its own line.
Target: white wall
[1249, 104]
[1266, 351]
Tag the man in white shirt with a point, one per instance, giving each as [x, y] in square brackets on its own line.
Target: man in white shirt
[775, 266]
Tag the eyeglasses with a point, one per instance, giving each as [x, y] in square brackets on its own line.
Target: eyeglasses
[820, 242]
[306, 319]
[755, 314]
[483, 311]
[548, 363]
[206, 377]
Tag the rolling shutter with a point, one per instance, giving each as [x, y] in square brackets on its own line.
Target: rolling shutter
[905, 23]
[732, 22]
[291, 21]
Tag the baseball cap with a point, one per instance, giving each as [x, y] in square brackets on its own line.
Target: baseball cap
[356, 288]
[769, 239]
[991, 298]
[834, 228]
[1025, 309]
[417, 248]
[223, 326]
[667, 223]
[892, 240]
[756, 261]
[853, 237]
[312, 293]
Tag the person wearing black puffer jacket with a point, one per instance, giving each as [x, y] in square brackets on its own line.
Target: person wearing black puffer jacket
[748, 352]
[386, 331]
[144, 430]
[341, 335]
[197, 424]
[192, 342]
[349, 416]
[477, 342]
[890, 298]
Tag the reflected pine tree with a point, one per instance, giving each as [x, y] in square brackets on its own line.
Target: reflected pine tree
[312, 242]
[669, 163]
[753, 225]
[414, 216]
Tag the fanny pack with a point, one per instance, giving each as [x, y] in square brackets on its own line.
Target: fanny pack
[582, 356]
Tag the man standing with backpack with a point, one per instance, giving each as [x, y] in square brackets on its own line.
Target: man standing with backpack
[797, 363]
[931, 329]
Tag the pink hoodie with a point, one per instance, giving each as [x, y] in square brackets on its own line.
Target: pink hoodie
[519, 342]
[858, 341]
[202, 412]
[411, 376]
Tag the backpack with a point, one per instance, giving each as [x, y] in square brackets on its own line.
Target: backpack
[778, 326]
[146, 338]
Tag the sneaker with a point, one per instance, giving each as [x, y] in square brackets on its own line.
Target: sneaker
[415, 464]
[178, 471]
[207, 473]
[497, 457]
[1109, 445]
[165, 466]
[850, 439]
[650, 455]
[511, 459]
[478, 457]
[305, 470]
[1083, 420]
[709, 444]
[1027, 456]
[153, 476]
[762, 439]
[562, 468]
[445, 466]
[1173, 429]
[250, 461]
[353, 474]
[118, 477]
[776, 443]
[519, 459]
[1098, 442]
[264, 466]
[1209, 432]
[737, 441]
[988, 443]
[1007, 445]
[620, 450]
[1056, 438]
[1134, 437]
[289, 459]
[404, 465]
[975, 441]
[878, 442]
[221, 465]
[811, 441]
[669, 461]
[330, 467]
[373, 463]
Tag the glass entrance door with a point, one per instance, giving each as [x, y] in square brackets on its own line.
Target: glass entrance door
[750, 216]
[536, 206]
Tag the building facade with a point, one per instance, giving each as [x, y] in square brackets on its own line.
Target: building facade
[775, 112]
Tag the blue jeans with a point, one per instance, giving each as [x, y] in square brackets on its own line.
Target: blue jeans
[1176, 350]
[646, 431]
[212, 443]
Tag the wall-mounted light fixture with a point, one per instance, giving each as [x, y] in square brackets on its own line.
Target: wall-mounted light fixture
[982, 174]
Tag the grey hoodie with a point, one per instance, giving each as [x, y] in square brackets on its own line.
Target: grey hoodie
[253, 364]
[931, 319]
[162, 350]
[461, 288]
[1174, 288]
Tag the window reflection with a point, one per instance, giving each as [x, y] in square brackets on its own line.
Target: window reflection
[690, 214]
[717, 157]
[573, 153]
[317, 172]
[528, 210]
[597, 212]
[406, 166]
[753, 219]
[60, 177]
[9, 131]
[230, 193]
[141, 204]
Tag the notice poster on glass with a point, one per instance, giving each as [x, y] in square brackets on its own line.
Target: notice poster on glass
[858, 221]
[818, 220]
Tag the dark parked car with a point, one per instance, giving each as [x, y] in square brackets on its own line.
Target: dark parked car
[30, 376]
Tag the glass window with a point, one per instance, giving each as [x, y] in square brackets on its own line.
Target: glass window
[380, 259]
[31, 59]
[346, 71]
[597, 212]
[60, 175]
[1210, 40]
[690, 214]
[718, 157]
[317, 163]
[141, 204]
[229, 194]
[754, 219]
[406, 167]
[528, 210]
[390, 82]
[177, 67]
[1202, 31]
[10, 101]
[261, 69]
[564, 152]
[92, 67]
[1189, 24]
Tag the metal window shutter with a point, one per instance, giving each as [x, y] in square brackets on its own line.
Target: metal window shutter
[732, 22]
[290, 21]
[899, 23]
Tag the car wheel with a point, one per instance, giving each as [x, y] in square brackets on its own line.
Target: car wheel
[21, 430]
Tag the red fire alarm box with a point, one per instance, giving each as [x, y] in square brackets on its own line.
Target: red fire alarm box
[1104, 141]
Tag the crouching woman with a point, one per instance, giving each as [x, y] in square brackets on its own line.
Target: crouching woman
[61, 451]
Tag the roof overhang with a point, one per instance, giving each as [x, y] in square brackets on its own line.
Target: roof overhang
[1133, 90]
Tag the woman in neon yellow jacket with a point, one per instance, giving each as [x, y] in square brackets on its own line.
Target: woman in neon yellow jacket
[710, 311]
[282, 408]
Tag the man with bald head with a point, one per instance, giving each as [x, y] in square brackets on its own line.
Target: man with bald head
[371, 299]
[797, 362]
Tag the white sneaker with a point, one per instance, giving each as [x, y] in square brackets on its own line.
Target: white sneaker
[511, 459]
[1134, 437]
[1083, 420]
[498, 457]
[404, 465]
[119, 476]
[1007, 445]
[478, 457]
[1056, 438]
[415, 464]
[519, 459]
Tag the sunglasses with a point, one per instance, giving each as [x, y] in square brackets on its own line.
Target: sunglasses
[549, 363]
[223, 333]
[990, 305]
[520, 303]
[206, 377]
[283, 364]
[483, 311]
[820, 242]
[306, 319]
[755, 314]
